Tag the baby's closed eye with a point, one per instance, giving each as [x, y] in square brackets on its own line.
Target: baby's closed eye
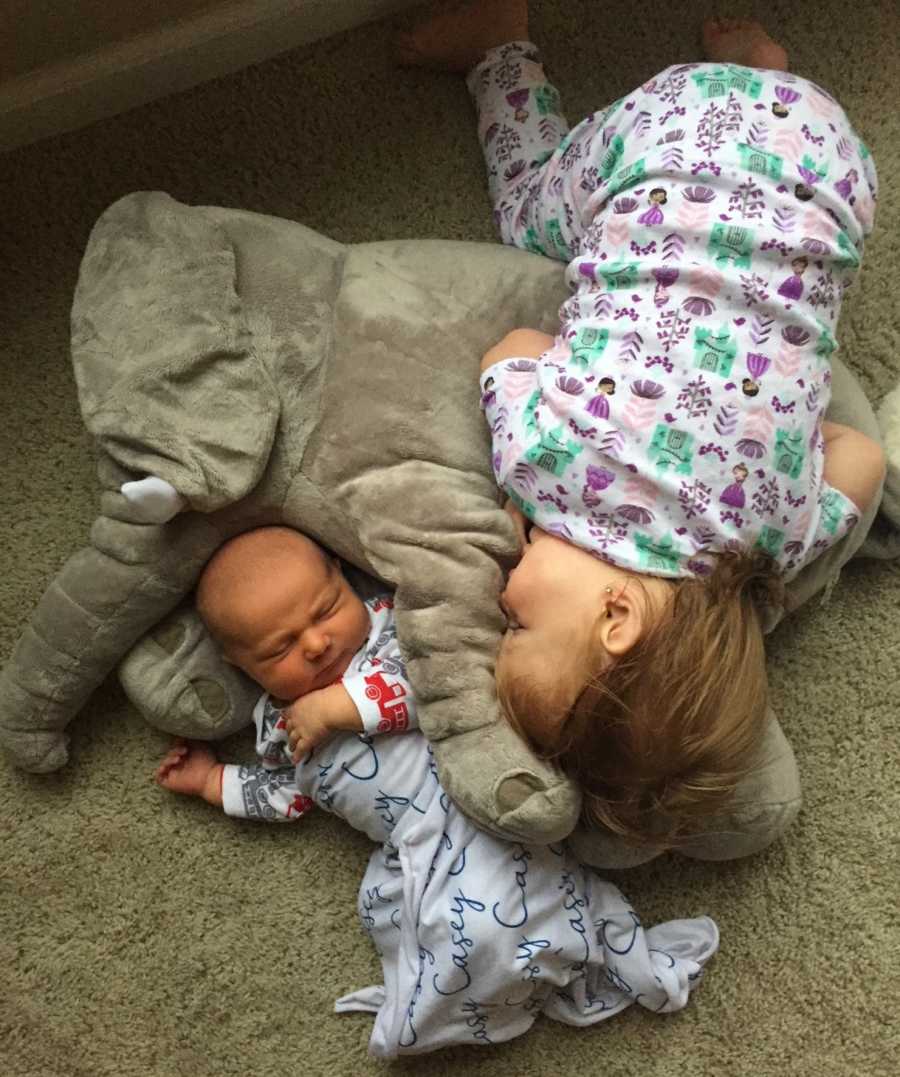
[279, 652]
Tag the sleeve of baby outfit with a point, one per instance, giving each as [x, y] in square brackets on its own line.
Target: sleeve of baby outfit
[264, 794]
[376, 679]
[269, 792]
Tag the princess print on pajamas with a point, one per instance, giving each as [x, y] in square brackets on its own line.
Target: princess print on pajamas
[674, 301]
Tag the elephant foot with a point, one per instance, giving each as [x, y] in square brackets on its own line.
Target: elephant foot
[37, 752]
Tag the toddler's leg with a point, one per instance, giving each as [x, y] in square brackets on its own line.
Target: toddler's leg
[742, 41]
[532, 168]
[457, 36]
[535, 182]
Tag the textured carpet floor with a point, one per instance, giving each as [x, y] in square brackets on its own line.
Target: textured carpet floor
[144, 934]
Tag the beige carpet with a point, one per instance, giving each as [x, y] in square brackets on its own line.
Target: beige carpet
[144, 934]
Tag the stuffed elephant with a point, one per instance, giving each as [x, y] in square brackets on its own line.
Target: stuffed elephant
[271, 375]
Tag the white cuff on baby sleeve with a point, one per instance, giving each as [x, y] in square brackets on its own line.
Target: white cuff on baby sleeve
[232, 791]
[383, 701]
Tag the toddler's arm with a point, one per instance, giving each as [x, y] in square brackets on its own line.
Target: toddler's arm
[854, 463]
[520, 522]
[517, 344]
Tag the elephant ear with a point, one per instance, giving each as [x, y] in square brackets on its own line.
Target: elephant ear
[170, 385]
[193, 405]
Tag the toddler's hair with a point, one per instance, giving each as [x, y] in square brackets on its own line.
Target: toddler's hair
[661, 737]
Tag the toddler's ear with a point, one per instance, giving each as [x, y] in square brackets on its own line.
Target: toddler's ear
[623, 621]
[620, 630]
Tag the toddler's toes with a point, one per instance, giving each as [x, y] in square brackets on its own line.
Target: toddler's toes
[742, 41]
[712, 31]
[457, 35]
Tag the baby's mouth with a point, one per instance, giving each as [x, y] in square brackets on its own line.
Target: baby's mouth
[333, 671]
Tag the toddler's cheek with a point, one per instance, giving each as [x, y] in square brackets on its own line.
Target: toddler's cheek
[507, 667]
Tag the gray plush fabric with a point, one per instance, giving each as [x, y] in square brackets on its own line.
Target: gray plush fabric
[348, 409]
[272, 375]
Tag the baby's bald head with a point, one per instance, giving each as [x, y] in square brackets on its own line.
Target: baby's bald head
[281, 609]
[245, 569]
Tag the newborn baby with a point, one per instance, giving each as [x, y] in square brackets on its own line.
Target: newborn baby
[476, 935]
[281, 610]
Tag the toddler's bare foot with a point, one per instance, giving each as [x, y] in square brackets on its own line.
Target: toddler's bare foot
[740, 41]
[455, 39]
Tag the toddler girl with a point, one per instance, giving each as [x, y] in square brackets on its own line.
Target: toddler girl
[669, 445]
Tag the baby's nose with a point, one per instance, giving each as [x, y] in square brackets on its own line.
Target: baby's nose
[315, 643]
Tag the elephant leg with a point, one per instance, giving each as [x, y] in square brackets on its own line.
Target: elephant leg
[104, 598]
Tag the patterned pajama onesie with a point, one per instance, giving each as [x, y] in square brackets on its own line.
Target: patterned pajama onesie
[476, 935]
[711, 221]
[376, 682]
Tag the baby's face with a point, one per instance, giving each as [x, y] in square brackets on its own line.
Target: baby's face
[300, 628]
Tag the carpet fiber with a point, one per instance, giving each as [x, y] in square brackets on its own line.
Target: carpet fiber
[141, 933]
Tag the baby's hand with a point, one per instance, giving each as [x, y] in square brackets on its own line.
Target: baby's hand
[191, 768]
[313, 718]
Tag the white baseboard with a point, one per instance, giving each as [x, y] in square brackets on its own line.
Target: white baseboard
[118, 75]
